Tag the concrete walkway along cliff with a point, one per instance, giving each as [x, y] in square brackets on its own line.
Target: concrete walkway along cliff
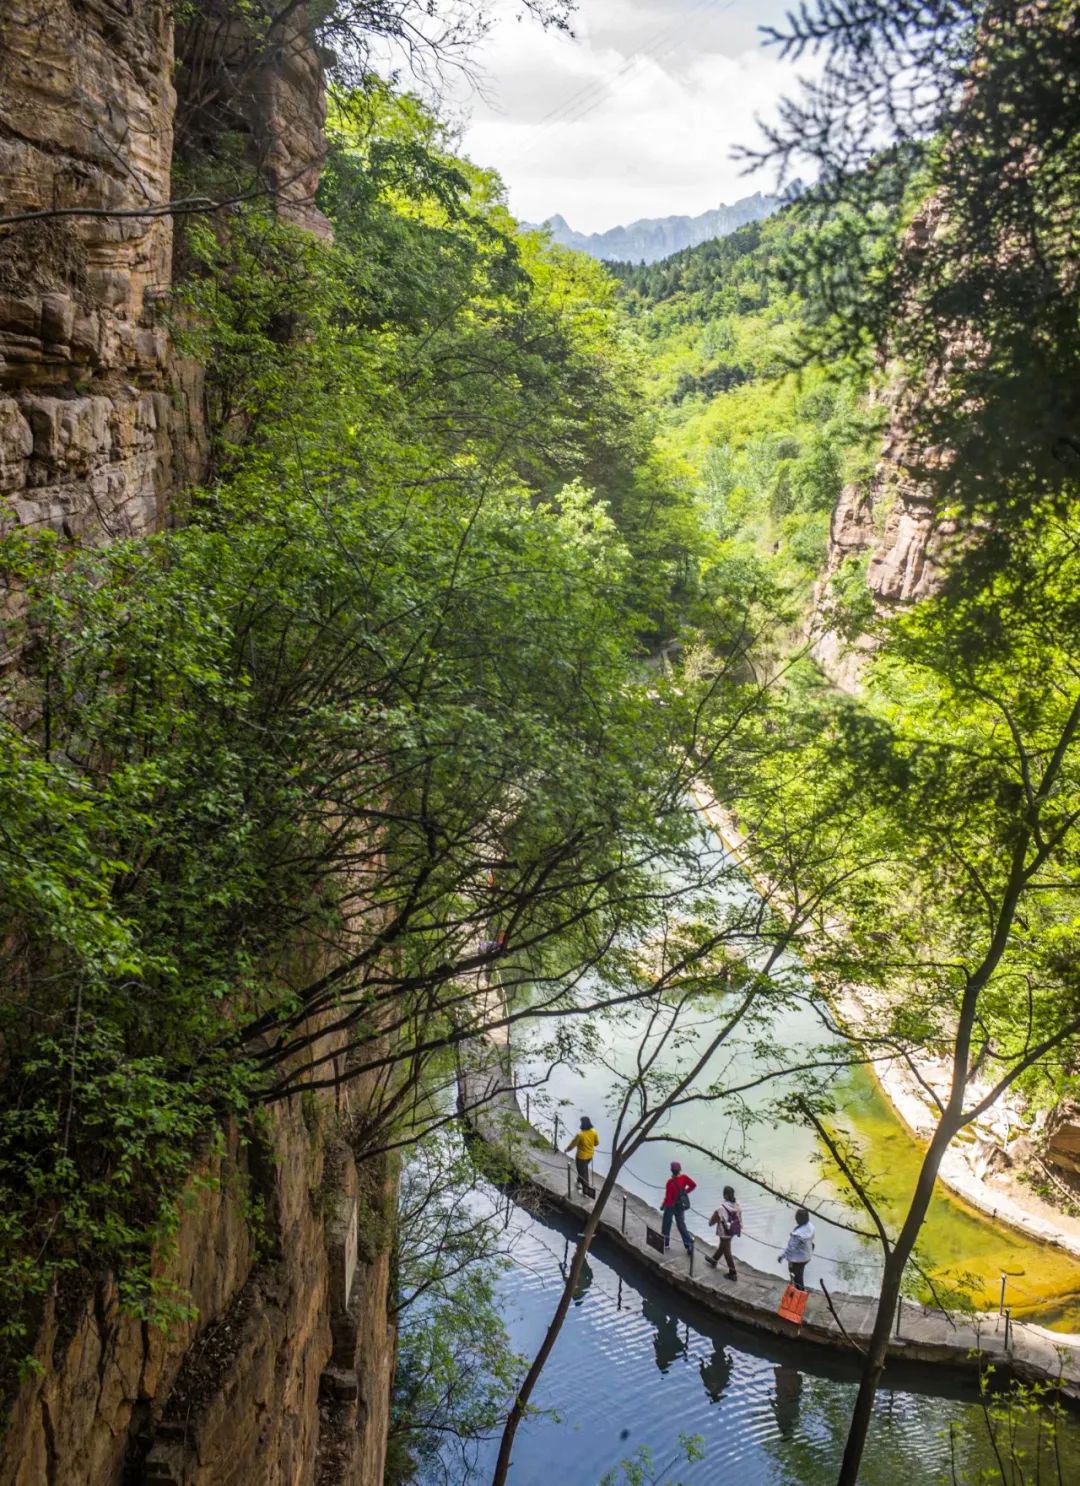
[922, 1335]
[904, 1081]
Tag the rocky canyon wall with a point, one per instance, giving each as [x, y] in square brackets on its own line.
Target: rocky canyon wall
[282, 1372]
[98, 423]
[281, 1376]
[889, 522]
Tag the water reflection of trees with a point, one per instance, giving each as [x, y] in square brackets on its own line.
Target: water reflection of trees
[913, 1437]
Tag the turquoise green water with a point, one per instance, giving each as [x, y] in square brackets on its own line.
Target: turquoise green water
[959, 1247]
[637, 1366]
[1041, 1282]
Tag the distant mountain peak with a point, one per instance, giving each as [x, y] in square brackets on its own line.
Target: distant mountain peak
[651, 238]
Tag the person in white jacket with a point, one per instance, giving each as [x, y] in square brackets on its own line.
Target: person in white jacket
[800, 1248]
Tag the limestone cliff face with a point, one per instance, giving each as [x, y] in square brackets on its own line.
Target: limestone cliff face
[269, 92]
[890, 520]
[99, 421]
[93, 435]
[282, 1374]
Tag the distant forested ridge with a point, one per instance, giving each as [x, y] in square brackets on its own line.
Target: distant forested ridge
[651, 239]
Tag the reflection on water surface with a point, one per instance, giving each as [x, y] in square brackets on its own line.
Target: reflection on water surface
[637, 1366]
[1041, 1282]
[959, 1247]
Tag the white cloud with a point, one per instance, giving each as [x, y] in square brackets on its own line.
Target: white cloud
[635, 116]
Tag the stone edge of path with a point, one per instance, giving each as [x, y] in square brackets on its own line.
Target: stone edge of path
[490, 1107]
[955, 1174]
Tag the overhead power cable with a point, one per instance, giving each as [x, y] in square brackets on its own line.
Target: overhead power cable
[589, 98]
[601, 84]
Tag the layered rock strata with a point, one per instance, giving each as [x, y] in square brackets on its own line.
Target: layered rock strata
[278, 1366]
[97, 424]
[100, 421]
[282, 1372]
[890, 521]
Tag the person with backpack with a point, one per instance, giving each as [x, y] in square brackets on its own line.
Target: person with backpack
[584, 1145]
[676, 1204]
[727, 1220]
[800, 1248]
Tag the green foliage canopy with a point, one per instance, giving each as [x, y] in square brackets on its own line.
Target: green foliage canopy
[376, 697]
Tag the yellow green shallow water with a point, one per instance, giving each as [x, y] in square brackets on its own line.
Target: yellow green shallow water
[1042, 1282]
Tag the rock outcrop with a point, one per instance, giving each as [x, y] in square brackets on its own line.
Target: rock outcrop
[100, 421]
[1062, 1141]
[281, 1371]
[890, 521]
[261, 87]
[282, 1374]
[93, 436]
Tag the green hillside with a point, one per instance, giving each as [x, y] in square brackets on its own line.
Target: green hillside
[767, 443]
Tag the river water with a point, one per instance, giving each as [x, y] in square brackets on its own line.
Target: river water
[964, 1252]
[637, 1366]
[959, 1247]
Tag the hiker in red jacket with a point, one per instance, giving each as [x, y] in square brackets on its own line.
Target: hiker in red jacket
[675, 1204]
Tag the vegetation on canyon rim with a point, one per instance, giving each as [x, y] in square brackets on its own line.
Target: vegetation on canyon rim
[379, 689]
[386, 670]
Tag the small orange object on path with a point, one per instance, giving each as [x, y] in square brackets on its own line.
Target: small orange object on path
[793, 1305]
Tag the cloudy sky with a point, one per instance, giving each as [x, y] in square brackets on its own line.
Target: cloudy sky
[634, 116]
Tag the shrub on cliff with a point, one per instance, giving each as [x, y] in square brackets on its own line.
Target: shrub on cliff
[377, 697]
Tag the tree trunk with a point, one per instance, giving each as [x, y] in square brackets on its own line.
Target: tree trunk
[551, 1336]
[621, 1153]
[872, 1369]
[889, 1295]
[951, 1122]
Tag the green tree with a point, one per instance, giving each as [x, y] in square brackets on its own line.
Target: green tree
[284, 774]
[946, 807]
[455, 1369]
[944, 143]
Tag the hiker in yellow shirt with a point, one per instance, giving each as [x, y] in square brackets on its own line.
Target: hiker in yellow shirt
[583, 1145]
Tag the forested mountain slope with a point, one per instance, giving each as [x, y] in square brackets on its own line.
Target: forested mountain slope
[769, 444]
[277, 763]
[342, 520]
[826, 486]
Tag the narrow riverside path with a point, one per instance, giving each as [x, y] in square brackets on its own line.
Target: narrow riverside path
[490, 1106]
[905, 1091]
